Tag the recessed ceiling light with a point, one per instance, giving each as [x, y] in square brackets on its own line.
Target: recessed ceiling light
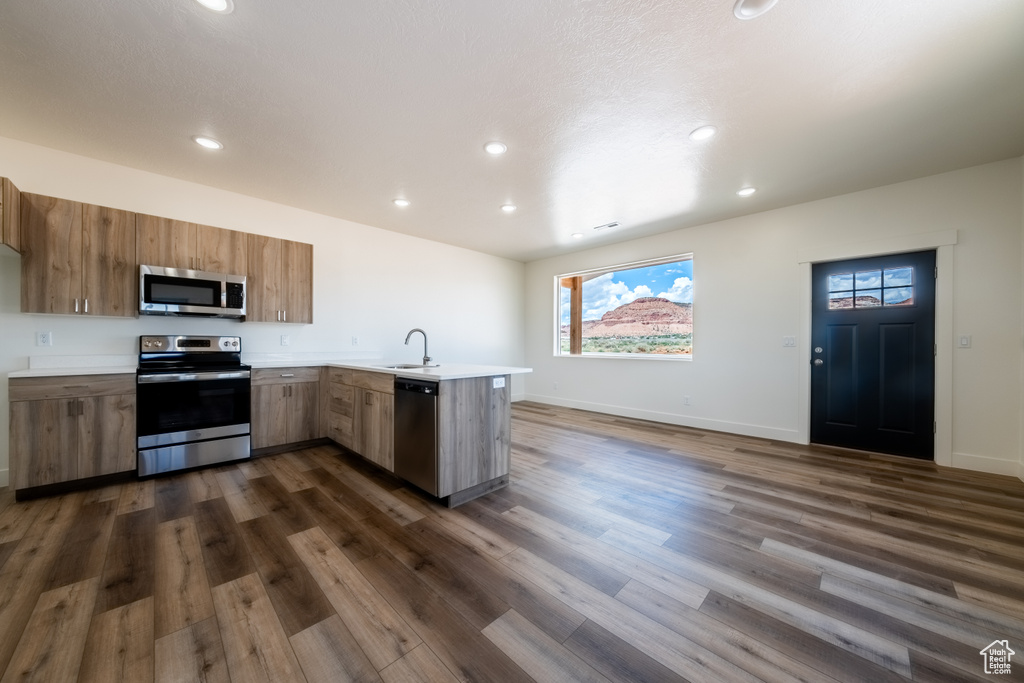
[752, 9]
[577, 235]
[703, 133]
[401, 203]
[508, 208]
[208, 143]
[219, 6]
[746, 191]
[495, 148]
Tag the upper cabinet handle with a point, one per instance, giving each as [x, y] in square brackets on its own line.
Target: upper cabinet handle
[86, 305]
[76, 305]
[285, 315]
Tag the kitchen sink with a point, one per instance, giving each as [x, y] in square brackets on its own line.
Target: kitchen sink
[408, 366]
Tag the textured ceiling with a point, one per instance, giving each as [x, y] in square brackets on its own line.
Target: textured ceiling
[339, 107]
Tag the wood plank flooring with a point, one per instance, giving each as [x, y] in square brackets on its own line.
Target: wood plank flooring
[623, 550]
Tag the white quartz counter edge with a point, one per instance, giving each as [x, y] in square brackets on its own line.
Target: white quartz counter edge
[444, 371]
[67, 372]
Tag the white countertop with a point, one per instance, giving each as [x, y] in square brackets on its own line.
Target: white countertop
[115, 365]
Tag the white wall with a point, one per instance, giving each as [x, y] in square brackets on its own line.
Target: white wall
[750, 287]
[369, 283]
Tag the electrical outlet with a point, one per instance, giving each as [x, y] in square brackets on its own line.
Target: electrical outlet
[286, 340]
[44, 338]
[686, 400]
[355, 341]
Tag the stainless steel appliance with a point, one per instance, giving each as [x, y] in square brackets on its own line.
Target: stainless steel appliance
[416, 432]
[193, 402]
[177, 291]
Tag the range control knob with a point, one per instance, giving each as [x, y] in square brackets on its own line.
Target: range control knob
[148, 343]
[158, 343]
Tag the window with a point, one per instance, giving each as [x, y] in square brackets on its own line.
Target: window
[632, 310]
[871, 289]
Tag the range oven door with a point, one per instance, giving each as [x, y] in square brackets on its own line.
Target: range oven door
[189, 419]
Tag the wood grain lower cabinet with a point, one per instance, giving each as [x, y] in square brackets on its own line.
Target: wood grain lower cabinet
[361, 413]
[10, 215]
[285, 406]
[68, 428]
[473, 432]
[375, 427]
[77, 258]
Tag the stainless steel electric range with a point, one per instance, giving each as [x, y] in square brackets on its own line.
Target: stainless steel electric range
[193, 402]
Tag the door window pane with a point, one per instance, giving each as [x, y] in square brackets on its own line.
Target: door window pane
[840, 300]
[899, 277]
[899, 296]
[869, 279]
[840, 283]
[868, 298]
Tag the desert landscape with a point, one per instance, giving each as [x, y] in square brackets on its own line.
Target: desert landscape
[646, 325]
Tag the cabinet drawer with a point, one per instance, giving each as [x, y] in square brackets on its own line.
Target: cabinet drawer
[263, 376]
[69, 386]
[341, 399]
[383, 382]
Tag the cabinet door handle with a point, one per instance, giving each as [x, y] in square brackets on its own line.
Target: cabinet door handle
[71, 408]
[76, 305]
[285, 315]
[290, 374]
[81, 407]
[368, 399]
[86, 305]
[279, 316]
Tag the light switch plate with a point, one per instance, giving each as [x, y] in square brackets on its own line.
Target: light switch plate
[789, 341]
[499, 382]
[964, 342]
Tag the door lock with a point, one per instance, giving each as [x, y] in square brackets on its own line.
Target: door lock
[818, 362]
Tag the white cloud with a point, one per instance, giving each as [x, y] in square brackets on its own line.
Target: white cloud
[601, 295]
[681, 291]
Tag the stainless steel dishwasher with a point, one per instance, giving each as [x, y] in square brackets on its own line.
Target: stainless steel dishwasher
[416, 432]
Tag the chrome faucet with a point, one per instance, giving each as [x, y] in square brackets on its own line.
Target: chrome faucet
[426, 358]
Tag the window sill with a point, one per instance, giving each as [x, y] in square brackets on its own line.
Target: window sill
[675, 357]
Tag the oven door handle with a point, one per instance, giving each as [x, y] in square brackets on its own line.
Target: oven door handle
[192, 377]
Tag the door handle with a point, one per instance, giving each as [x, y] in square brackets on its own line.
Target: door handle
[818, 362]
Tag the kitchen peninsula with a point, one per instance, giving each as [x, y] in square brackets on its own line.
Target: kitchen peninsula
[296, 402]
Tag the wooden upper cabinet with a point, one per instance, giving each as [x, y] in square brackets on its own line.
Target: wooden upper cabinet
[280, 280]
[109, 271]
[220, 251]
[77, 258]
[163, 242]
[297, 272]
[51, 255]
[10, 215]
[177, 244]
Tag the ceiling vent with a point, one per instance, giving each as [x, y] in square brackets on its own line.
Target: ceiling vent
[606, 226]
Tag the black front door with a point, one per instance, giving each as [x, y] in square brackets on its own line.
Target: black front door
[872, 354]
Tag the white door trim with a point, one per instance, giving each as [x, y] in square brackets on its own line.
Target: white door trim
[943, 243]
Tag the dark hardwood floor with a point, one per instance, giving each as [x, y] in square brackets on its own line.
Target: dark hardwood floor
[622, 551]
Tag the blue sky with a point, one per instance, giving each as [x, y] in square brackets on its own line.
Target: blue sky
[672, 281]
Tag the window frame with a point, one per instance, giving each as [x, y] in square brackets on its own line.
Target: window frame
[596, 272]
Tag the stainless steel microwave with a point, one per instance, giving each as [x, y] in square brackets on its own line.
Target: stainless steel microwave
[177, 291]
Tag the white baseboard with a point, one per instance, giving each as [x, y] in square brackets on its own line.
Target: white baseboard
[981, 463]
[518, 397]
[4, 478]
[791, 435]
